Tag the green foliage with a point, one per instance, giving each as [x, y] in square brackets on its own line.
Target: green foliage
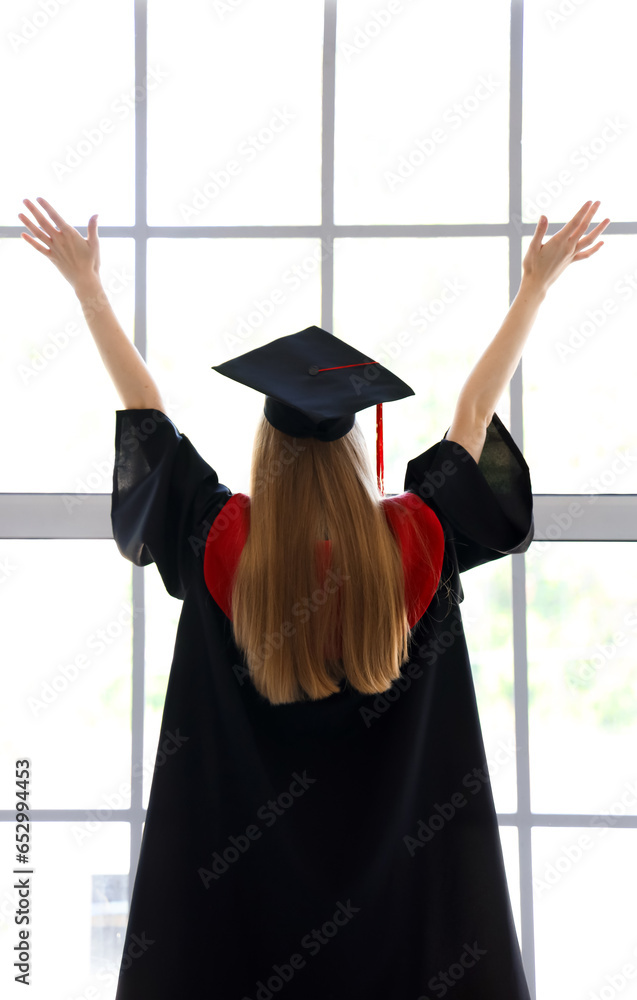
[155, 693]
[617, 711]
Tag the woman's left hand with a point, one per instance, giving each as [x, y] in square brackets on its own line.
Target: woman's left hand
[543, 263]
[76, 258]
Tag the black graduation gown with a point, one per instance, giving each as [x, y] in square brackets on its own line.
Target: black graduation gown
[341, 848]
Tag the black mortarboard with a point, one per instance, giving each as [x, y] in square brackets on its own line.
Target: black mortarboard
[314, 383]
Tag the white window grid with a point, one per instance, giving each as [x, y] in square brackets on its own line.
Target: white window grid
[607, 517]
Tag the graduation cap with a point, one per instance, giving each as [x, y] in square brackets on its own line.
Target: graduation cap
[315, 384]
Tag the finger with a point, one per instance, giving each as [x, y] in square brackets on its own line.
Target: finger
[570, 227]
[601, 226]
[26, 221]
[587, 253]
[579, 215]
[29, 239]
[584, 222]
[57, 218]
[46, 225]
[539, 234]
[592, 236]
[91, 232]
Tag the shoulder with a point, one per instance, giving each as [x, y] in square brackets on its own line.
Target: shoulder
[224, 544]
[406, 499]
[414, 524]
[234, 514]
[417, 528]
[399, 508]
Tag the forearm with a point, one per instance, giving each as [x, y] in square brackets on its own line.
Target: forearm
[128, 370]
[494, 370]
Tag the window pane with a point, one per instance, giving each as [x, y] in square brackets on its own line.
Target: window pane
[578, 390]
[66, 635]
[422, 112]
[426, 309]
[79, 896]
[510, 849]
[585, 881]
[71, 111]
[582, 645]
[584, 144]
[210, 300]
[58, 400]
[162, 617]
[252, 75]
[488, 620]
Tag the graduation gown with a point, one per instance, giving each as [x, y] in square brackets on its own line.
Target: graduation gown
[322, 849]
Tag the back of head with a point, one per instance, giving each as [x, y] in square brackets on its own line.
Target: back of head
[319, 591]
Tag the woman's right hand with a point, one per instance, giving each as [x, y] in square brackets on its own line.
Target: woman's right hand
[543, 264]
[76, 258]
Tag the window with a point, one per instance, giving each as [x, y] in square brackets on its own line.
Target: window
[376, 168]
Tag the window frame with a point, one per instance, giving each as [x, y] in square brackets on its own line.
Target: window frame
[608, 517]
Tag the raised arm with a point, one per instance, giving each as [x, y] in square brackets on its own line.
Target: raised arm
[78, 260]
[489, 378]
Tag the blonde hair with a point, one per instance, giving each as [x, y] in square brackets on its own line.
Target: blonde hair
[285, 621]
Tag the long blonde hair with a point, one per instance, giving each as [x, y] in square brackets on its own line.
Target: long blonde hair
[298, 636]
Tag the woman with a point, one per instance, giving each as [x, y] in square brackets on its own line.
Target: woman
[320, 820]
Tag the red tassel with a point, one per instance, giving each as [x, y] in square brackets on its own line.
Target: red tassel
[380, 460]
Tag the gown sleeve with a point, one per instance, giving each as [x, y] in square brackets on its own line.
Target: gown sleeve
[487, 506]
[165, 497]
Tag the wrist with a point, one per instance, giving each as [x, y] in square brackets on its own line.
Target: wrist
[87, 286]
[91, 296]
[532, 288]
